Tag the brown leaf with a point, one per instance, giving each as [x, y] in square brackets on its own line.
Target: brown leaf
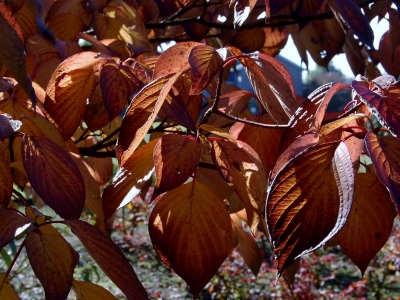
[370, 221]
[86, 291]
[302, 120]
[389, 58]
[92, 199]
[12, 55]
[264, 141]
[103, 169]
[6, 289]
[141, 114]
[6, 179]
[66, 26]
[174, 59]
[52, 259]
[119, 20]
[247, 246]
[102, 249]
[248, 40]
[275, 40]
[356, 20]
[309, 201]
[118, 84]
[191, 231]
[383, 152]
[71, 85]
[175, 159]
[54, 176]
[218, 132]
[298, 145]
[11, 225]
[236, 166]
[273, 85]
[382, 103]
[129, 180]
[205, 62]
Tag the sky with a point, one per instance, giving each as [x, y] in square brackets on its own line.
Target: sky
[339, 61]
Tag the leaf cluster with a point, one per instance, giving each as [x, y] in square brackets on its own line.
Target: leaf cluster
[291, 172]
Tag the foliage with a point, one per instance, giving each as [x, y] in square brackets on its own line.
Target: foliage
[290, 173]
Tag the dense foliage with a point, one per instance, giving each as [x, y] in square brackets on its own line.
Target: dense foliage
[294, 173]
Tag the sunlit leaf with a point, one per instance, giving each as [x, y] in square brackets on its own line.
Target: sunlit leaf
[174, 59]
[273, 85]
[247, 246]
[370, 221]
[129, 180]
[66, 26]
[141, 114]
[260, 140]
[382, 103]
[118, 84]
[249, 179]
[54, 176]
[68, 91]
[301, 122]
[309, 201]
[119, 20]
[205, 63]
[191, 231]
[103, 169]
[11, 225]
[92, 199]
[275, 40]
[218, 131]
[175, 159]
[52, 259]
[102, 248]
[88, 290]
[384, 153]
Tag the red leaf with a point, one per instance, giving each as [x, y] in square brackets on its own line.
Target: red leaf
[273, 85]
[383, 103]
[353, 16]
[141, 114]
[309, 200]
[11, 225]
[191, 231]
[6, 179]
[54, 176]
[52, 259]
[249, 179]
[175, 158]
[384, 153]
[370, 221]
[260, 140]
[129, 180]
[205, 62]
[72, 83]
[118, 83]
[304, 118]
[109, 258]
[174, 59]
[12, 54]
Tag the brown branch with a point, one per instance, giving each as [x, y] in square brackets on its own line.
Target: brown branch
[230, 117]
[272, 22]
